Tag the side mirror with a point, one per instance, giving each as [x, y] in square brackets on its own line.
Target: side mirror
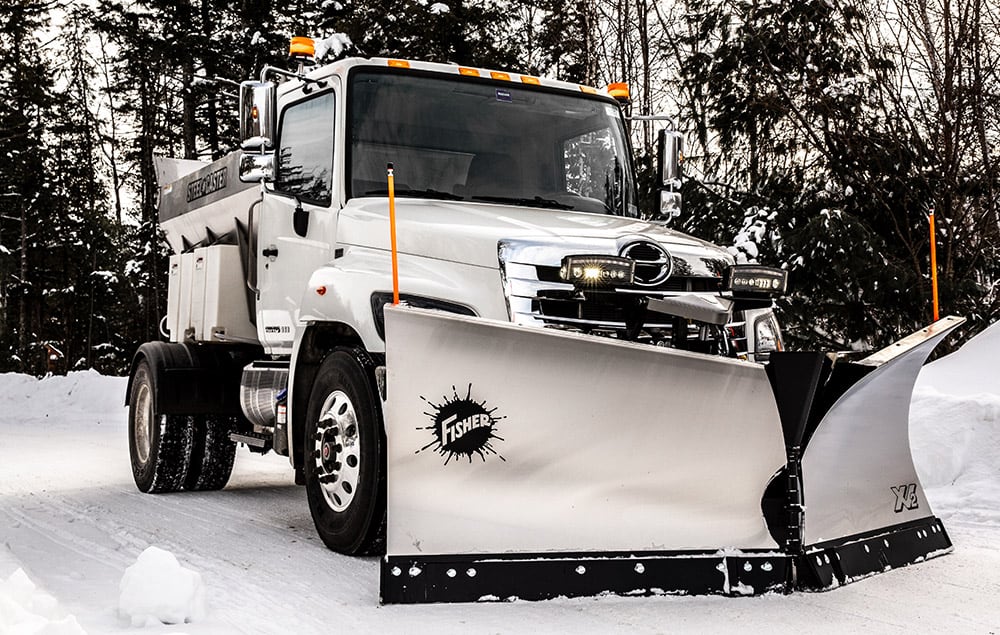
[670, 204]
[257, 115]
[670, 152]
[255, 168]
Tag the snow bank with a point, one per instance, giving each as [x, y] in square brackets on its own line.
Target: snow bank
[82, 392]
[157, 589]
[957, 439]
[971, 370]
[26, 610]
[955, 430]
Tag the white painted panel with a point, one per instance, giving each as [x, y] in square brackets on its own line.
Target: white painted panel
[226, 296]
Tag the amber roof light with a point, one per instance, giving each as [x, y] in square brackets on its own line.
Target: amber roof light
[302, 46]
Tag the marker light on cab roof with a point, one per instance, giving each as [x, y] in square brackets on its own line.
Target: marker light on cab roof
[399, 63]
[471, 72]
[619, 90]
[301, 46]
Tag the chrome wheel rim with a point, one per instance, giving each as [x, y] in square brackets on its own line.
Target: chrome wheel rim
[337, 451]
[143, 422]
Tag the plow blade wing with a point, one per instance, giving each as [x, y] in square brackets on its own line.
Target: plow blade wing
[865, 507]
[532, 463]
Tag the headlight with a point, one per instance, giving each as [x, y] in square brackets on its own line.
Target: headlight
[597, 271]
[767, 337]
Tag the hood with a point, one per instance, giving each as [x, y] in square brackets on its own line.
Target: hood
[469, 232]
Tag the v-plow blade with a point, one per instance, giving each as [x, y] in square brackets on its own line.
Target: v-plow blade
[531, 464]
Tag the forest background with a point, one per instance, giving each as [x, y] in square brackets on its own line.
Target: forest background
[819, 136]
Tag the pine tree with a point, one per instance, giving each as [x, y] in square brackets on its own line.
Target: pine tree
[457, 31]
[784, 163]
[25, 201]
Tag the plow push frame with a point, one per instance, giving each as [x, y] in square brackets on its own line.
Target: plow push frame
[527, 463]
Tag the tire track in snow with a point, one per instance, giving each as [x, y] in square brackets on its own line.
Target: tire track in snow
[92, 531]
[56, 533]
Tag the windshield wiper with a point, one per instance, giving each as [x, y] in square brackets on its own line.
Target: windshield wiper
[537, 201]
[444, 196]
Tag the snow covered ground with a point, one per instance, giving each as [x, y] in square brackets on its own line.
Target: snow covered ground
[72, 521]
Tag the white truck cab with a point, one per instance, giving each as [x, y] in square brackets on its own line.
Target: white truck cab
[515, 200]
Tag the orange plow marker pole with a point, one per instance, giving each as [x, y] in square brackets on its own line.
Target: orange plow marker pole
[934, 276]
[392, 235]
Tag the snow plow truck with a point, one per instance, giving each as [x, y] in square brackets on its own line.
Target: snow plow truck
[430, 287]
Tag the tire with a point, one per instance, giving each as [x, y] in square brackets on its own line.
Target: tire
[212, 454]
[345, 455]
[159, 445]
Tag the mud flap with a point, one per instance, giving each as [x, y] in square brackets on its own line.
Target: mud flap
[533, 463]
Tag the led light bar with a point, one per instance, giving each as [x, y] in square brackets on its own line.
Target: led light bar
[597, 271]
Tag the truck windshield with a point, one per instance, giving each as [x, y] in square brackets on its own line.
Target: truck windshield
[466, 139]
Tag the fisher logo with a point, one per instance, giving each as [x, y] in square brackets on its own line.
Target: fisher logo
[906, 497]
[462, 426]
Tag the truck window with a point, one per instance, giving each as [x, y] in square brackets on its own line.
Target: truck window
[477, 140]
[305, 150]
[588, 172]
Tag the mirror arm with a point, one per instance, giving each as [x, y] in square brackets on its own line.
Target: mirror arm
[321, 83]
[667, 118]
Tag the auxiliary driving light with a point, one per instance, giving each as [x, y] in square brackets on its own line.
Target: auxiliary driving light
[755, 280]
[597, 271]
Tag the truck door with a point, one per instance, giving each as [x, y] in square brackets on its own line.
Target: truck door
[297, 228]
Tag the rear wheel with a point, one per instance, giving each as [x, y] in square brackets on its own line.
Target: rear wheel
[212, 453]
[159, 445]
[345, 454]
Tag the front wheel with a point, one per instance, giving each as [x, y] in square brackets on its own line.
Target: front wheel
[345, 455]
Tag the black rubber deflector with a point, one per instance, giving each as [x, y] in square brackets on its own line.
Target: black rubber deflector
[828, 565]
[498, 578]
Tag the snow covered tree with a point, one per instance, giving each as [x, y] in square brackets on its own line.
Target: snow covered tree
[459, 31]
[796, 160]
[26, 100]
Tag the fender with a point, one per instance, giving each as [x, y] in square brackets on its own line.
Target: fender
[347, 312]
[192, 378]
[349, 282]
